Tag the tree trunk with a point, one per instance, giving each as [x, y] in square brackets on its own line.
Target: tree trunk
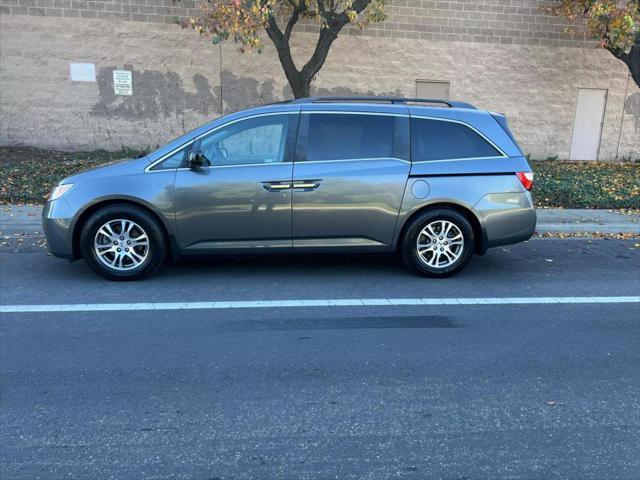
[631, 59]
[300, 86]
[634, 63]
[300, 80]
[302, 89]
[299, 83]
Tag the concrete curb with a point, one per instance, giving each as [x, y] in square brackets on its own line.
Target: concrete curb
[25, 219]
[17, 219]
[587, 228]
[559, 220]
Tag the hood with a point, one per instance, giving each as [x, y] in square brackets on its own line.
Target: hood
[110, 169]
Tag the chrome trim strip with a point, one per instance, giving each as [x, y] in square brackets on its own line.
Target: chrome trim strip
[292, 163]
[265, 164]
[395, 159]
[445, 160]
[349, 112]
[182, 169]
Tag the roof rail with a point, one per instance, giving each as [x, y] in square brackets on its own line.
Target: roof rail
[393, 100]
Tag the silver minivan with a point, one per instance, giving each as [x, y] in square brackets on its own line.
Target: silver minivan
[436, 181]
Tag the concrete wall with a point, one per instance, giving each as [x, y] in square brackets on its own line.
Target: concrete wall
[181, 80]
[176, 83]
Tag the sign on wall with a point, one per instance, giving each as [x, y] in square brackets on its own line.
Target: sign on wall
[122, 82]
[82, 72]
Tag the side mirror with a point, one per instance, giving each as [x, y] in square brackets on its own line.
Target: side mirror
[196, 160]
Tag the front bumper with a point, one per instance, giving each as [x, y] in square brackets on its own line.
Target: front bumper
[57, 219]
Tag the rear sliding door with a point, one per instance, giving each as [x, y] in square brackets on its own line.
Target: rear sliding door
[348, 180]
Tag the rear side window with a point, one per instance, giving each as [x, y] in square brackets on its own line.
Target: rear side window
[344, 136]
[441, 140]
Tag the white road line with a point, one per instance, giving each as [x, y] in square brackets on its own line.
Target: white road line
[346, 302]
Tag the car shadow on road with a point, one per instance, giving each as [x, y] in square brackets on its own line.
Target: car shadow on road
[265, 277]
[299, 265]
[313, 268]
[307, 265]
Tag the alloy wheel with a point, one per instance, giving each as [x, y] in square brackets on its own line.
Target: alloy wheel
[121, 244]
[440, 244]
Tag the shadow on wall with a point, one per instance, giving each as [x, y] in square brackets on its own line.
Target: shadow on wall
[239, 93]
[243, 92]
[632, 107]
[158, 94]
[347, 92]
[155, 94]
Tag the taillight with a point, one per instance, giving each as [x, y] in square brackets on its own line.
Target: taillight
[526, 178]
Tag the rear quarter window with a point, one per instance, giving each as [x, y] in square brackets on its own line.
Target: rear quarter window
[444, 140]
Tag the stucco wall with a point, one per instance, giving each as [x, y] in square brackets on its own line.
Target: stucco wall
[180, 80]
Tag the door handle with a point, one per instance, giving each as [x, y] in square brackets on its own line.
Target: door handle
[276, 186]
[306, 184]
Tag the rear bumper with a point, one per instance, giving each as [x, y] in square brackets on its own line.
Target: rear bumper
[506, 218]
[57, 217]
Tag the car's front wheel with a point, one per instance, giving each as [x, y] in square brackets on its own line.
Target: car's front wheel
[438, 243]
[122, 242]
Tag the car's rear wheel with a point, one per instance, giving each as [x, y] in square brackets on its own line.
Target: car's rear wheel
[122, 242]
[438, 243]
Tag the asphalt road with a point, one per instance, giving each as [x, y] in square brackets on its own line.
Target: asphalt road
[534, 391]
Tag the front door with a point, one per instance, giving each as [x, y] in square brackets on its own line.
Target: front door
[348, 180]
[242, 199]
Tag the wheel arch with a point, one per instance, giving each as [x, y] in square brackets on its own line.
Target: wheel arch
[479, 233]
[99, 204]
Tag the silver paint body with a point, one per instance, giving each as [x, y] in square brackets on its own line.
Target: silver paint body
[358, 205]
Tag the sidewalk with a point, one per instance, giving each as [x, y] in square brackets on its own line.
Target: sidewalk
[26, 219]
[20, 219]
[559, 220]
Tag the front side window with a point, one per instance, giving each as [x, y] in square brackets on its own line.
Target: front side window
[175, 160]
[442, 140]
[350, 136]
[256, 140]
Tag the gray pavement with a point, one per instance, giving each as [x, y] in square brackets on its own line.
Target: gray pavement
[445, 392]
[15, 219]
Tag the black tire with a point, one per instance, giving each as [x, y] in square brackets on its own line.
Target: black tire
[157, 248]
[409, 248]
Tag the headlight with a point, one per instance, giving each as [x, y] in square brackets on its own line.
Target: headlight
[60, 190]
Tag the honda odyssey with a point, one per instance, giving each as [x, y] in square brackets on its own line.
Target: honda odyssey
[436, 181]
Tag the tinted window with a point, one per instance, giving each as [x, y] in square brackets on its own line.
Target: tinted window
[343, 136]
[256, 140]
[437, 140]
